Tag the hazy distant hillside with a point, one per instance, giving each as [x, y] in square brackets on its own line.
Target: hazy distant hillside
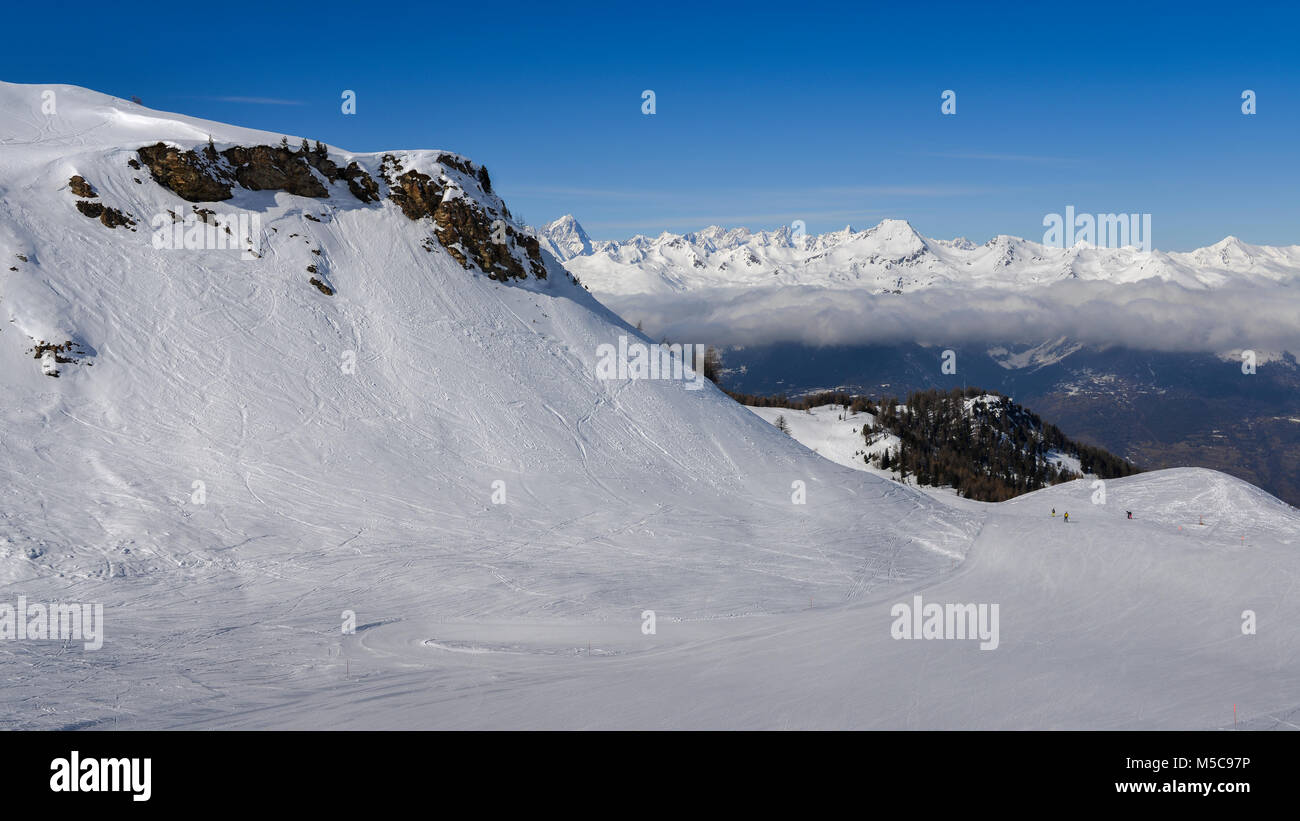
[1155, 409]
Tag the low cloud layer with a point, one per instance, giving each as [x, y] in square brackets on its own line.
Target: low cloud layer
[1149, 315]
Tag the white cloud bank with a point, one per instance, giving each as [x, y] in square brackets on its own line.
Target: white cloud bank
[1149, 315]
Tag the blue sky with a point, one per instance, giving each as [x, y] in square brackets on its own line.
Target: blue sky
[764, 115]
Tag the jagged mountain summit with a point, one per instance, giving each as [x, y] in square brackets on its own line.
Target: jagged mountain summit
[565, 239]
[891, 257]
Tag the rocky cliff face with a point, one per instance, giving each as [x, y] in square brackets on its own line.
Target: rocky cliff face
[469, 220]
[474, 226]
[186, 173]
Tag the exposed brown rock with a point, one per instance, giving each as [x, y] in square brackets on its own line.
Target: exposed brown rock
[81, 188]
[185, 173]
[322, 287]
[110, 217]
[207, 177]
[263, 168]
[452, 161]
[533, 249]
[462, 226]
[57, 349]
[361, 184]
[466, 231]
[418, 195]
[65, 353]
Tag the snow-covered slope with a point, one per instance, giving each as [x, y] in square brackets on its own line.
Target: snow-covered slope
[203, 366]
[1104, 623]
[833, 433]
[892, 256]
[234, 458]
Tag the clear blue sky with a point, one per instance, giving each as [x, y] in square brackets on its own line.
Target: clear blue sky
[826, 113]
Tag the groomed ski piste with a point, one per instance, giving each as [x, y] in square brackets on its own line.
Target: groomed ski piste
[500, 520]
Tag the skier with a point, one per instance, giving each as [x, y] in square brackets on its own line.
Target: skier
[1053, 513]
[1130, 513]
[1067, 517]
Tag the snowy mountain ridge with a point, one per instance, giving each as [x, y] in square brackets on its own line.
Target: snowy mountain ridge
[383, 372]
[891, 257]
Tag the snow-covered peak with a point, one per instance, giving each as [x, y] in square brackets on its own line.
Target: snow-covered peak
[1228, 251]
[565, 238]
[896, 231]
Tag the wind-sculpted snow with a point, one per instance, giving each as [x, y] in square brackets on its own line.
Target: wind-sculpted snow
[237, 459]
